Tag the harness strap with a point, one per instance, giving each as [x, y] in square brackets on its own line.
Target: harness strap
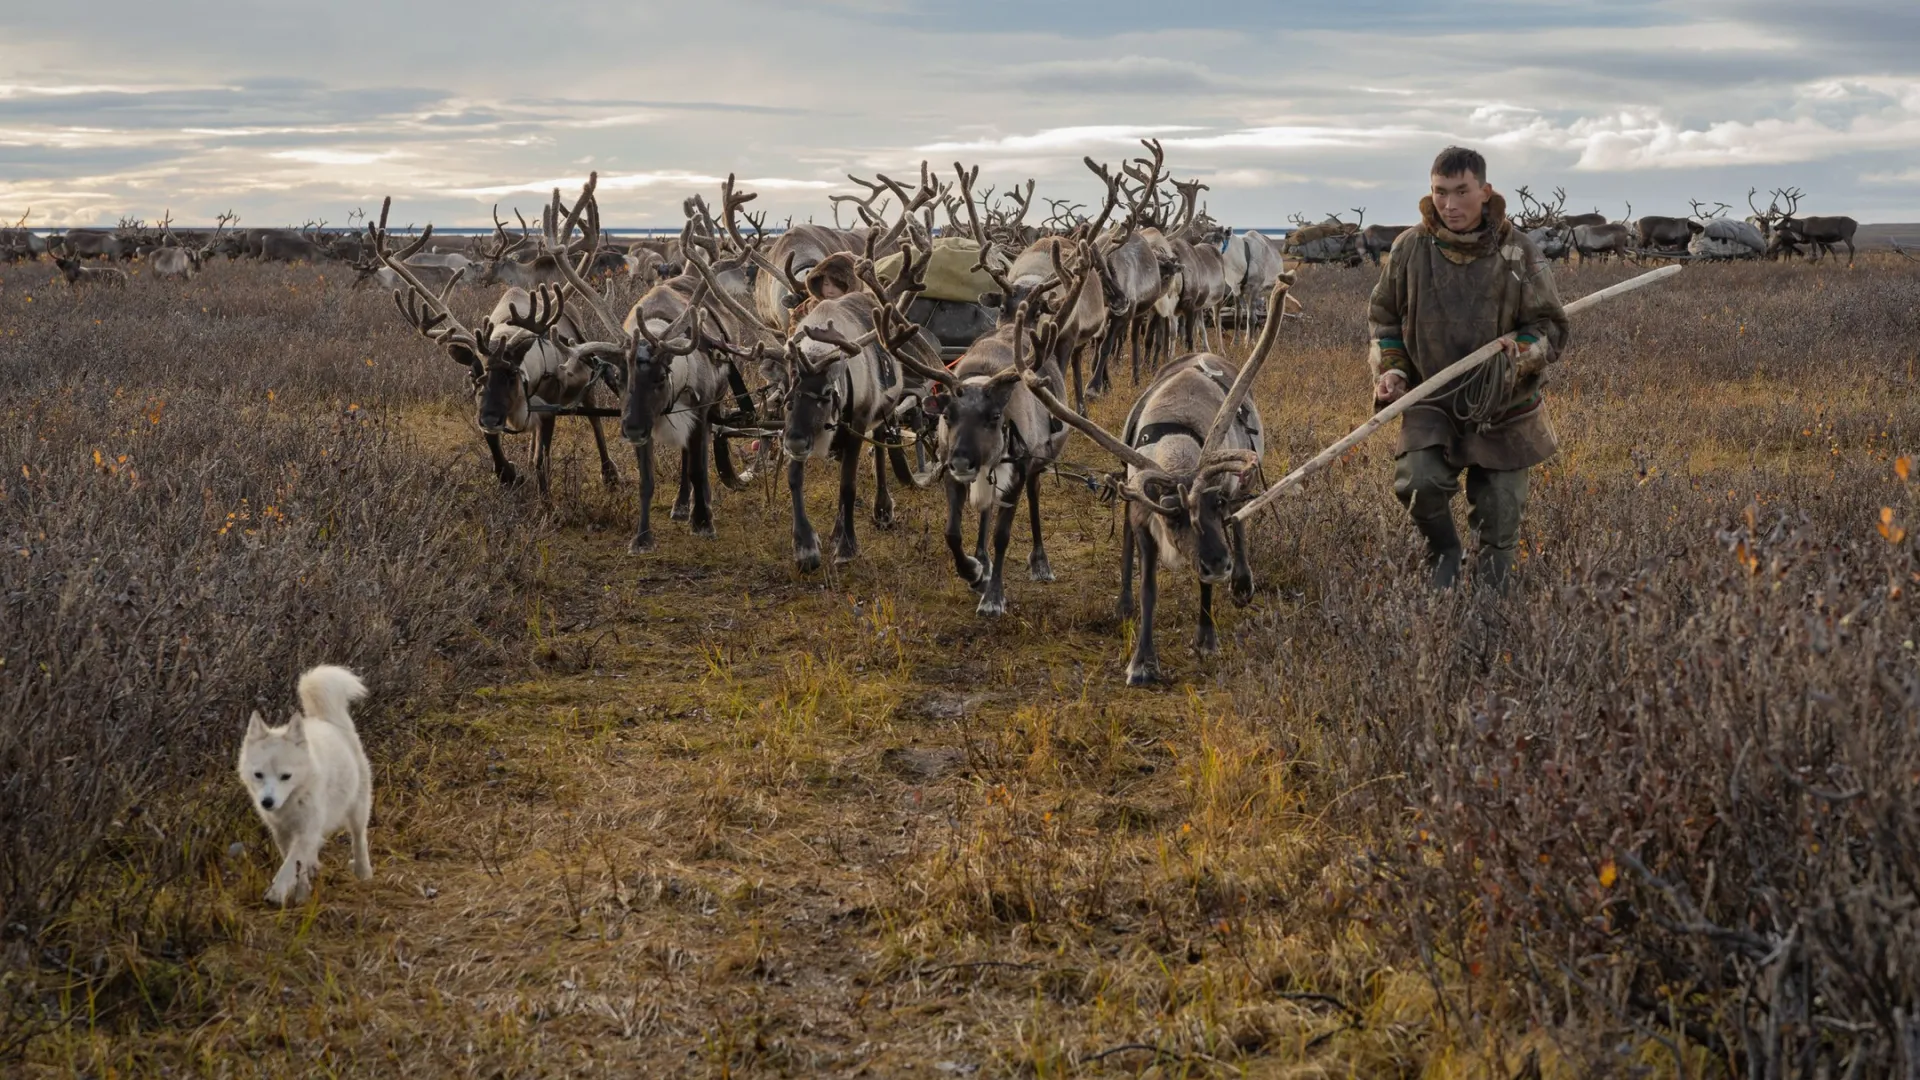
[1153, 433]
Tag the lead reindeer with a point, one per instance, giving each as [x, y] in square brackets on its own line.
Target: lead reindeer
[513, 361]
[1190, 443]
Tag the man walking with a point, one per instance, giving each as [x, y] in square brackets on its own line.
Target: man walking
[1463, 277]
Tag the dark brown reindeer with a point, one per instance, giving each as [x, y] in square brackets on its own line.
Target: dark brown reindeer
[1787, 233]
[513, 361]
[1189, 445]
[78, 275]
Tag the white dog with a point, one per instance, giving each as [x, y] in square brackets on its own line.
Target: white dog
[311, 779]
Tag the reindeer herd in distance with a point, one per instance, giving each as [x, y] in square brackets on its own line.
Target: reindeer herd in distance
[958, 352]
[1707, 234]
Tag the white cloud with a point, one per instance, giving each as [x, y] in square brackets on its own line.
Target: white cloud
[334, 157]
[1063, 140]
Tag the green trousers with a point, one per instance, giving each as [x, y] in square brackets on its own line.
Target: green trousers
[1426, 484]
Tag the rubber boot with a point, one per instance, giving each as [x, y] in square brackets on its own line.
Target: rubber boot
[1443, 549]
[1495, 502]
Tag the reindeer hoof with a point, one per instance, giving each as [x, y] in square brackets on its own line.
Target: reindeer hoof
[846, 552]
[807, 558]
[507, 475]
[991, 606]
[1242, 592]
[1038, 568]
[1124, 609]
[610, 477]
[704, 529]
[1143, 673]
[1207, 643]
[883, 516]
[641, 543]
[679, 513]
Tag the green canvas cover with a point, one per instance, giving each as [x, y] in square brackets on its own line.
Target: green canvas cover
[950, 274]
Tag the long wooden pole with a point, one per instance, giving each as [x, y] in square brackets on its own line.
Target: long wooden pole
[1431, 387]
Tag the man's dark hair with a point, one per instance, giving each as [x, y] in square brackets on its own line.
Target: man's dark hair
[1455, 160]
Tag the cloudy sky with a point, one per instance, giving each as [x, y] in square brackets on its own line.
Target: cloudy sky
[290, 111]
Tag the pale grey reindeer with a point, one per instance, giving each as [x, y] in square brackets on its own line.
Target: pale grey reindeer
[1189, 445]
[181, 260]
[1252, 261]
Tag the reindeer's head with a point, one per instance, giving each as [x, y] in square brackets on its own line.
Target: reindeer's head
[973, 429]
[1192, 497]
[817, 379]
[650, 359]
[497, 362]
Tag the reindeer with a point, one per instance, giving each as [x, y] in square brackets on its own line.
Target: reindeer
[1189, 444]
[1331, 241]
[1544, 221]
[183, 260]
[1203, 273]
[1252, 262]
[286, 245]
[1079, 322]
[994, 439]
[94, 244]
[1136, 266]
[843, 386]
[779, 286]
[1377, 240]
[679, 378]
[500, 267]
[1788, 232]
[513, 360]
[435, 269]
[78, 275]
[1602, 241]
[1656, 235]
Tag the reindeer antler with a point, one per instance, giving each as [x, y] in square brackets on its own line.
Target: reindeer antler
[1243, 382]
[419, 305]
[980, 235]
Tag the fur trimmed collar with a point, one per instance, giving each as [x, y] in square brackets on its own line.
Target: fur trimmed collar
[1467, 246]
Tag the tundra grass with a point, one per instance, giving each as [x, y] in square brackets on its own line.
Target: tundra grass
[709, 816]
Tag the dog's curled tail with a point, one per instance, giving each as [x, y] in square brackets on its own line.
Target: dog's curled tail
[326, 691]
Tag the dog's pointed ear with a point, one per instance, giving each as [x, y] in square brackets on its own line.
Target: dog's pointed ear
[297, 730]
[256, 727]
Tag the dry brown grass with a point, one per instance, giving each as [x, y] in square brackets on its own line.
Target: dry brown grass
[693, 814]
